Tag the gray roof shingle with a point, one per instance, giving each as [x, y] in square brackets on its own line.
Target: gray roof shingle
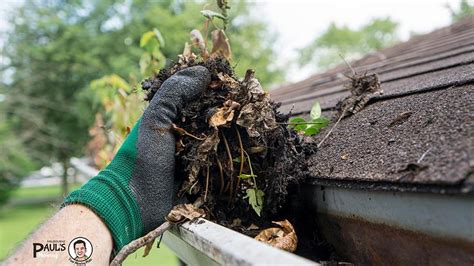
[427, 108]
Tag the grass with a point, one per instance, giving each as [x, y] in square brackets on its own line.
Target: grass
[162, 256]
[40, 192]
[17, 222]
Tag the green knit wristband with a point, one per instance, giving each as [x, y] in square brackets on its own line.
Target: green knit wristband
[108, 194]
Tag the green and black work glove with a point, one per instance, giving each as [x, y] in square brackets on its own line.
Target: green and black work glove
[135, 191]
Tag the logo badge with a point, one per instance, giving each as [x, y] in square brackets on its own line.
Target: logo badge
[80, 251]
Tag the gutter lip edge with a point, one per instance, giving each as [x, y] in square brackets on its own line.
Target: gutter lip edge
[229, 246]
[434, 215]
[462, 188]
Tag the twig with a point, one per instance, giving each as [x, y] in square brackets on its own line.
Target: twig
[423, 155]
[229, 154]
[138, 243]
[330, 131]
[159, 241]
[302, 123]
[182, 132]
[191, 189]
[349, 65]
[215, 26]
[251, 170]
[224, 5]
[227, 187]
[206, 25]
[207, 184]
[241, 159]
[221, 173]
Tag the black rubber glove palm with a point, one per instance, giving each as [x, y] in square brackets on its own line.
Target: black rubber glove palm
[135, 191]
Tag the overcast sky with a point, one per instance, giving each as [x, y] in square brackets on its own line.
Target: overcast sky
[298, 22]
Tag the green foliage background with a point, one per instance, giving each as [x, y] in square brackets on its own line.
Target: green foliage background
[465, 9]
[55, 48]
[326, 49]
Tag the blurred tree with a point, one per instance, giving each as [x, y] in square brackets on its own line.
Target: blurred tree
[56, 47]
[14, 160]
[465, 9]
[352, 44]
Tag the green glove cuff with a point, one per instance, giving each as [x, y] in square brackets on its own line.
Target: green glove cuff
[109, 195]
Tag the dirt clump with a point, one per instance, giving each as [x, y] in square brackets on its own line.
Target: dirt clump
[234, 149]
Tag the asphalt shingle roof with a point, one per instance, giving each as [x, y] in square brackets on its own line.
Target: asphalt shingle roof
[427, 108]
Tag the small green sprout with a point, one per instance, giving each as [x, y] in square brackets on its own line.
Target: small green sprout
[312, 126]
[254, 194]
[255, 197]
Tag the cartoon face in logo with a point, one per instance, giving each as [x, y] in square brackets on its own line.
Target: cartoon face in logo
[80, 250]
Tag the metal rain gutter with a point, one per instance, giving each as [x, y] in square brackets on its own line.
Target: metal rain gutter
[402, 228]
[206, 243]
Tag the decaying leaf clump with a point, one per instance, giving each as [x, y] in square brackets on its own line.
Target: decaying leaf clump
[362, 87]
[283, 237]
[233, 147]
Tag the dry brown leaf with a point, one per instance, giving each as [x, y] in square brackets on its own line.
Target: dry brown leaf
[283, 238]
[228, 81]
[184, 212]
[220, 44]
[255, 90]
[148, 248]
[257, 116]
[198, 41]
[187, 55]
[224, 114]
[253, 227]
[179, 146]
[257, 149]
[221, 117]
[236, 222]
[191, 185]
[215, 84]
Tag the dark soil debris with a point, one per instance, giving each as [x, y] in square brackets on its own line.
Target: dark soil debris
[233, 139]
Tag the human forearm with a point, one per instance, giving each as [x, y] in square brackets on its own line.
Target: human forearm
[67, 224]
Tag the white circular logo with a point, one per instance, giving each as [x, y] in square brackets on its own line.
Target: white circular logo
[80, 250]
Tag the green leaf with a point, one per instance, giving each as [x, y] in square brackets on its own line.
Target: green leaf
[146, 37]
[315, 111]
[236, 160]
[311, 130]
[255, 197]
[316, 126]
[294, 123]
[157, 54]
[151, 41]
[145, 62]
[159, 37]
[211, 14]
[296, 120]
[320, 122]
[246, 176]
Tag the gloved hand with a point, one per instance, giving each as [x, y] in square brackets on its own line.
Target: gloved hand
[134, 192]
